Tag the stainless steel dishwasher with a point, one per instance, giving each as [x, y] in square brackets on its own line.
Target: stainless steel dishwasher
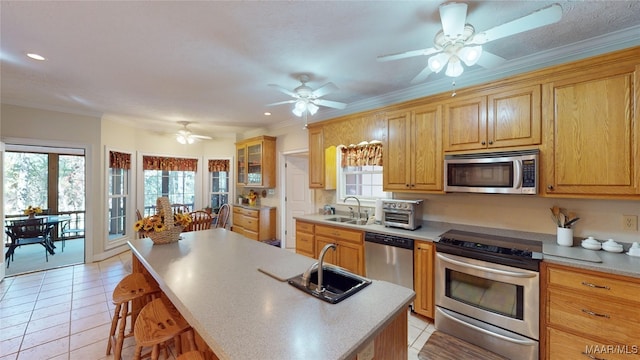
[389, 258]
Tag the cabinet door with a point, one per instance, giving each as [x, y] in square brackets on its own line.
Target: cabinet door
[423, 278]
[426, 149]
[316, 158]
[304, 244]
[330, 256]
[254, 163]
[241, 152]
[513, 117]
[592, 131]
[465, 124]
[397, 153]
[351, 257]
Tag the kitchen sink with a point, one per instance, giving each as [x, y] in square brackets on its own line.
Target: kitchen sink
[347, 220]
[338, 284]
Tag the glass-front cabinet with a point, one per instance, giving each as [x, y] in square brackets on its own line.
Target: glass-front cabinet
[257, 162]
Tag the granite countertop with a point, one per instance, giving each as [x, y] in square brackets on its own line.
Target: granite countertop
[576, 256]
[212, 278]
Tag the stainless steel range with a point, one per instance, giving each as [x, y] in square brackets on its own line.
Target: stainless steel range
[487, 291]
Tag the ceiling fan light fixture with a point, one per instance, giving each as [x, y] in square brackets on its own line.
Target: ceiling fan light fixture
[313, 108]
[470, 54]
[182, 139]
[437, 62]
[451, 15]
[299, 107]
[454, 68]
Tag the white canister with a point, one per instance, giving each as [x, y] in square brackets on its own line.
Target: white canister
[565, 236]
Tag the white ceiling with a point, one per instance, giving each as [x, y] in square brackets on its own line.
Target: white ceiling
[155, 63]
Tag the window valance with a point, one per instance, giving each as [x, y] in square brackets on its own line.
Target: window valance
[118, 160]
[363, 154]
[169, 163]
[218, 165]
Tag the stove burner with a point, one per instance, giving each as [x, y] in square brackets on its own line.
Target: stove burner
[520, 253]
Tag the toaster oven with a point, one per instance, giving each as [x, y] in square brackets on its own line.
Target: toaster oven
[405, 214]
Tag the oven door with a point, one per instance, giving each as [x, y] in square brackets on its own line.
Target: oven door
[500, 295]
[398, 218]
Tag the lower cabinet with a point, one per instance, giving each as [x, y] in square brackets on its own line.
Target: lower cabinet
[257, 224]
[589, 314]
[349, 252]
[305, 240]
[423, 256]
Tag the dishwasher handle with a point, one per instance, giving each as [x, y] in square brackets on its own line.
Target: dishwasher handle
[389, 240]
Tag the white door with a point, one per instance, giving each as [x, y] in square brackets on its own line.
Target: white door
[299, 199]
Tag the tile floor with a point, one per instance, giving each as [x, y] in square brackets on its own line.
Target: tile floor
[65, 313]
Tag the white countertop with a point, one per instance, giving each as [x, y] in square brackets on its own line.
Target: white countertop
[212, 278]
[616, 263]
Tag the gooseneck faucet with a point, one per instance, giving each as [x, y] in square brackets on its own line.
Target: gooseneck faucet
[306, 277]
[357, 200]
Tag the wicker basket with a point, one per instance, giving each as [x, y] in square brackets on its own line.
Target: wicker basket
[172, 233]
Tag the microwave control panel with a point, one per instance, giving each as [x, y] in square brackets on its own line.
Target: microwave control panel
[529, 170]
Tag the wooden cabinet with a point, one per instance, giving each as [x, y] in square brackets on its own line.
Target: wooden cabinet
[592, 134]
[257, 224]
[256, 162]
[587, 311]
[412, 157]
[505, 118]
[316, 158]
[423, 278]
[305, 240]
[349, 252]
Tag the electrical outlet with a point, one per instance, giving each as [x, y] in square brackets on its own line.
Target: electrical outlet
[630, 222]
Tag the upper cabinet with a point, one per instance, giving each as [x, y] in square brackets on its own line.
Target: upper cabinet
[592, 131]
[505, 118]
[316, 158]
[412, 156]
[257, 162]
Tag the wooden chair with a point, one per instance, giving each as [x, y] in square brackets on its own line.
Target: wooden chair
[180, 208]
[223, 216]
[200, 220]
[157, 323]
[138, 215]
[133, 287]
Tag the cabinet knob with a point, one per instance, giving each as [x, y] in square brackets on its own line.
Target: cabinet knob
[549, 187]
[490, 142]
[483, 142]
[407, 185]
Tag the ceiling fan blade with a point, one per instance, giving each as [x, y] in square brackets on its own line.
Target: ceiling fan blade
[283, 90]
[324, 89]
[328, 103]
[203, 137]
[489, 60]
[539, 18]
[282, 102]
[422, 75]
[453, 17]
[407, 54]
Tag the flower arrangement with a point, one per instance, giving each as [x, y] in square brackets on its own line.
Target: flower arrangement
[32, 210]
[156, 223]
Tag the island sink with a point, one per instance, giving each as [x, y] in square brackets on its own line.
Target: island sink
[338, 284]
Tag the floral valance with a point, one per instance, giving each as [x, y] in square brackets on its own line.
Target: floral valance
[365, 153]
[218, 165]
[169, 164]
[118, 160]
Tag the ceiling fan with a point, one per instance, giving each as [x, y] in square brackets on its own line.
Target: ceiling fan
[185, 136]
[306, 99]
[459, 42]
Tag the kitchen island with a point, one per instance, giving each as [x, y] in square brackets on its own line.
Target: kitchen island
[240, 312]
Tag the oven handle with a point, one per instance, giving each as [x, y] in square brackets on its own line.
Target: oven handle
[527, 342]
[483, 268]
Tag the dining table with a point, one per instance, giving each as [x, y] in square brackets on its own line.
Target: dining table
[50, 221]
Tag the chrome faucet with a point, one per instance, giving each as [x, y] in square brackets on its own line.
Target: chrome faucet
[306, 277]
[356, 199]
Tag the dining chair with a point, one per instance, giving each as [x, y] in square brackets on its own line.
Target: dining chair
[27, 232]
[138, 215]
[180, 208]
[200, 220]
[223, 216]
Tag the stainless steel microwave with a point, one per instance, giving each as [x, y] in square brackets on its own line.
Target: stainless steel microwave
[507, 172]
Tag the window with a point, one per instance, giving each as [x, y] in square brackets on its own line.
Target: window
[218, 183]
[359, 172]
[170, 177]
[118, 194]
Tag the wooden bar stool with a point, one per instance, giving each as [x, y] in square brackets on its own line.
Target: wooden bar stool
[157, 323]
[191, 355]
[131, 288]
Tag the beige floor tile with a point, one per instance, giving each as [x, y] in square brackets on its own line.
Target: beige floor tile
[66, 298]
[91, 351]
[100, 333]
[21, 292]
[45, 350]
[413, 333]
[89, 322]
[64, 356]
[40, 337]
[29, 278]
[16, 309]
[89, 300]
[13, 331]
[13, 356]
[13, 320]
[18, 300]
[89, 310]
[79, 294]
[10, 346]
[47, 322]
[51, 310]
[57, 291]
[88, 285]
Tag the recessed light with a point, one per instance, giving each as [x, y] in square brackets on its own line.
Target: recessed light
[36, 56]
[267, 114]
